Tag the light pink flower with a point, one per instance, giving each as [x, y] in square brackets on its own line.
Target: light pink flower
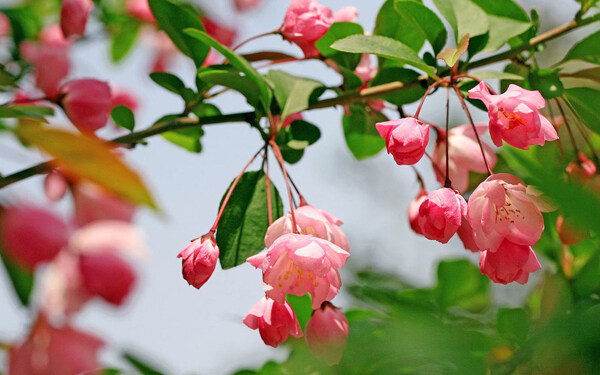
[93, 203]
[199, 260]
[55, 351]
[299, 264]
[581, 170]
[327, 333]
[31, 235]
[140, 9]
[63, 293]
[275, 321]
[4, 25]
[53, 36]
[502, 208]
[312, 221]
[510, 262]
[465, 233]
[406, 139]
[221, 33]
[74, 15]
[246, 5]
[365, 69]
[86, 103]
[515, 117]
[413, 211]
[55, 186]
[346, 14]
[440, 214]
[107, 275]
[464, 154]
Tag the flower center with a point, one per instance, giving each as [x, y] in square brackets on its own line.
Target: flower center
[514, 120]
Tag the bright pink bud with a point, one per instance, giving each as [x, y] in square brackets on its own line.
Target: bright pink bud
[4, 25]
[53, 36]
[87, 103]
[55, 351]
[299, 264]
[581, 170]
[406, 139]
[464, 154]
[413, 211]
[140, 9]
[346, 14]
[568, 231]
[502, 208]
[74, 15]
[515, 116]
[311, 221]
[31, 235]
[275, 321]
[306, 21]
[440, 214]
[510, 262]
[107, 276]
[199, 260]
[245, 5]
[327, 333]
[55, 186]
[93, 203]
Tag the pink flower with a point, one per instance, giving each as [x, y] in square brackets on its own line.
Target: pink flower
[413, 211]
[74, 15]
[365, 69]
[245, 5]
[465, 233]
[55, 351]
[346, 14]
[124, 98]
[4, 25]
[440, 214]
[86, 103]
[327, 333]
[108, 276]
[510, 262]
[140, 9]
[312, 221]
[199, 260]
[406, 139]
[299, 264]
[582, 169]
[53, 36]
[31, 235]
[219, 32]
[515, 117]
[93, 203]
[464, 154]
[55, 186]
[502, 208]
[275, 321]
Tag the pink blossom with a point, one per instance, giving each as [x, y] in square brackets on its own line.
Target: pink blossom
[312, 221]
[108, 276]
[582, 169]
[515, 117]
[299, 264]
[53, 36]
[365, 69]
[406, 139]
[346, 14]
[124, 98]
[413, 211]
[275, 321]
[55, 351]
[510, 262]
[502, 208]
[165, 52]
[199, 260]
[327, 333]
[4, 25]
[219, 32]
[464, 154]
[245, 5]
[63, 293]
[55, 186]
[87, 103]
[140, 9]
[31, 235]
[440, 214]
[93, 203]
[74, 15]
[465, 233]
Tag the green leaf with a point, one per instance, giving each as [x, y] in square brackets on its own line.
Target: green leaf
[362, 137]
[173, 19]
[123, 39]
[351, 80]
[141, 365]
[241, 231]
[32, 112]
[489, 74]
[587, 50]
[460, 283]
[239, 63]
[587, 279]
[233, 80]
[395, 74]
[384, 47]
[123, 117]
[169, 81]
[547, 82]
[451, 55]
[464, 16]
[295, 138]
[7, 78]
[424, 20]
[592, 74]
[292, 92]
[302, 306]
[337, 31]
[506, 20]
[188, 138]
[391, 24]
[513, 324]
[22, 280]
[584, 101]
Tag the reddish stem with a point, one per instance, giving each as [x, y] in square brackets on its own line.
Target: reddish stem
[434, 164]
[254, 38]
[282, 61]
[447, 182]
[566, 121]
[279, 158]
[476, 79]
[434, 85]
[268, 183]
[419, 177]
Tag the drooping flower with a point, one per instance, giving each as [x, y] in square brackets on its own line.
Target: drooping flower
[31, 235]
[275, 321]
[199, 260]
[515, 117]
[406, 139]
[299, 264]
[413, 211]
[365, 69]
[140, 9]
[581, 170]
[510, 262]
[465, 233]
[327, 333]
[74, 15]
[246, 5]
[107, 275]
[441, 213]
[502, 208]
[312, 221]
[124, 98]
[86, 103]
[464, 154]
[93, 203]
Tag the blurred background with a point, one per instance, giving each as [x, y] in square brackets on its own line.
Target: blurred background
[184, 330]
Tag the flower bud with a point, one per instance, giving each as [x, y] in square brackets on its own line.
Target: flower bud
[406, 139]
[510, 262]
[245, 5]
[327, 333]
[413, 211]
[107, 276]
[275, 321]
[140, 9]
[74, 15]
[87, 103]
[440, 215]
[199, 260]
[581, 170]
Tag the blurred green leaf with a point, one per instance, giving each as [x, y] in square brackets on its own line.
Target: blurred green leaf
[123, 117]
[460, 283]
[506, 20]
[587, 279]
[592, 74]
[235, 81]
[21, 279]
[362, 137]
[32, 112]
[292, 92]
[123, 38]
[141, 365]
[583, 100]
[464, 16]
[513, 324]
[451, 55]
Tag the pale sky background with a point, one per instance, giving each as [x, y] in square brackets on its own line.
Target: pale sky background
[184, 330]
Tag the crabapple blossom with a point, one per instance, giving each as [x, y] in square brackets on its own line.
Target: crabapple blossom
[346, 14]
[275, 321]
[87, 103]
[464, 155]
[245, 5]
[440, 214]
[510, 262]
[582, 169]
[74, 15]
[107, 275]
[501, 208]
[312, 221]
[199, 260]
[365, 69]
[465, 233]
[140, 9]
[413, 211]
[327, 333]
[93, 203]
[515, 117]
[124, 98]
[299, 264]
[55, 186]
[406, 139]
